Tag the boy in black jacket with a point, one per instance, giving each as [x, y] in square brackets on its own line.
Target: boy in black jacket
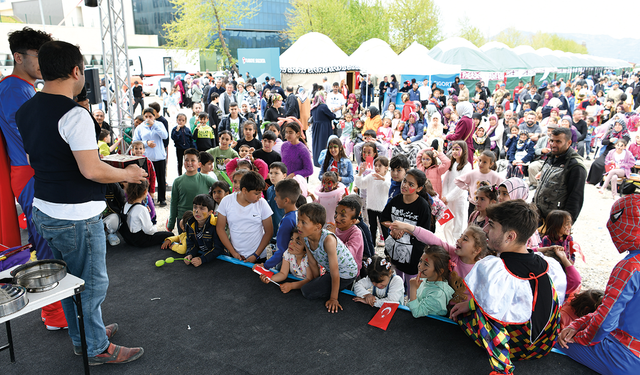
[203, 244]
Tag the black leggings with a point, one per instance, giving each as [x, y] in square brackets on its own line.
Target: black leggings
[374, 217]
[320, 287]
[141, 239]
[179, 155]
[161, 177]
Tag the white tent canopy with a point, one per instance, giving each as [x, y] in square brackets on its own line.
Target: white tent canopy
[315, 53]
[416, 60]
[311, 58]
[375, 57]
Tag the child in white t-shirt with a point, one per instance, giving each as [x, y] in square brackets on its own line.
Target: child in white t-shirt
[249, 219]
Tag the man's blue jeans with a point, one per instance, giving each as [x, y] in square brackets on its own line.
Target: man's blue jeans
[82, 245]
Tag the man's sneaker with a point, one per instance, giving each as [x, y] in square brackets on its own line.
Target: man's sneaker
[116, 354]
[54, 328]
[111, 330]
[113, 239]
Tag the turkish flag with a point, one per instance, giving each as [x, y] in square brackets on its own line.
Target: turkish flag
[262, 271]
[609, 167]
[384, 315]
[22, 221]
[446, 217]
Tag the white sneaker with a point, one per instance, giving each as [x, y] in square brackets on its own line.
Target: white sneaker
[113, 239]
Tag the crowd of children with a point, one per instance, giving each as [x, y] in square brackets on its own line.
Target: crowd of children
[325, 238]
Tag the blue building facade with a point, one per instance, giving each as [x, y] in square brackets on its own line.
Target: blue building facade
[262, 31]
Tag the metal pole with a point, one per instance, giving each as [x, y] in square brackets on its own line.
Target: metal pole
[41, 14]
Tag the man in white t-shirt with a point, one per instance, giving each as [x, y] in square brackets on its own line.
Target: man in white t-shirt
[70, 192]
[249, 219]
[425, 93]
[335, 100]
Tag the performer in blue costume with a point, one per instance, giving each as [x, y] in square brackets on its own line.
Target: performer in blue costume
[608, 339]
[15, 90]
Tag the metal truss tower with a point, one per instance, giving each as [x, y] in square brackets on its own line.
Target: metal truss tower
[115, 62]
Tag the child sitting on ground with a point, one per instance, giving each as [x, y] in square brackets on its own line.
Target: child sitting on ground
[222, 154]
[203, 134]
[381, 284]
[486, 195]
[469, 248]
[249, 219]
[582, 304]
[286, 195]
[203, 243]
[218, 190]
[179, 243]
[142, 232]
[187, 186]
[294, 261]
[429, 291]
[346, 216]
[330, 192]
[326, 250]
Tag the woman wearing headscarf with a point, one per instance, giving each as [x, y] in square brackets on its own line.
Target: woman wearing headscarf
[373, 120]
[617, 130]
[304, 103]
[196, 91]
[446, 119]
[178, 82]
[464, 128]
[321, 128]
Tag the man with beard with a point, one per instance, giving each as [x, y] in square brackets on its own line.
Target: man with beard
[531, 292]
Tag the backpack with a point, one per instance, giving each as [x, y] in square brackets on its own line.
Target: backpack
[124, 230]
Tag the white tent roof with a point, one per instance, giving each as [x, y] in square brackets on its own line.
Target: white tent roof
[415, 50]
[417, 61]
[315, 53]
[375, 57]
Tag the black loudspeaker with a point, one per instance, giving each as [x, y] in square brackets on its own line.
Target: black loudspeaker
[92, 85]
[91, 3]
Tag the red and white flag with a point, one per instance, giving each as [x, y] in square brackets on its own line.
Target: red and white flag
[262, 271]
[384, 315]
[446, 217]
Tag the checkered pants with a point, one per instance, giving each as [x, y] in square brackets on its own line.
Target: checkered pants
[512, 341]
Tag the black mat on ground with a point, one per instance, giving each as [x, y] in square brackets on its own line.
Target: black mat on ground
[220, 319]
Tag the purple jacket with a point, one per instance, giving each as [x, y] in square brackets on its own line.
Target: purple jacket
[627, 163]
[297, 158]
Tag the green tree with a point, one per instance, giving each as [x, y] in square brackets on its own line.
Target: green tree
[470, 32]
[198, 25]
[512, 37]
[415, 20]
[348, 23]
[556, 42]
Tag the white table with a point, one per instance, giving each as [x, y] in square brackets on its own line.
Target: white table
[68, 287]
